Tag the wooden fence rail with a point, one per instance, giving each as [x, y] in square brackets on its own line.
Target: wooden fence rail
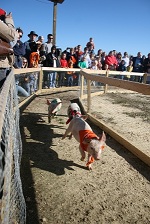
[102, 76]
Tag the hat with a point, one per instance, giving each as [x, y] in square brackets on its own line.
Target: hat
[32, 33]
[2, 12]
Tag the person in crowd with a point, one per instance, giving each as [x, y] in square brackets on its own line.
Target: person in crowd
[126, 59]
[90, 42]
[30, 45]
[71, 55]
[94, 66]
[62, 75]
[103, 59]
[87, 56]
[147, 63]
[82, 63]
[70, 74]
[91, 50]
[99, 60]
[129, 69]
[52, 61]
[19, 50]
[9, 35]
[47, 47]
[99, 53]
[119, 57]
[49, 43]
[78, 53]
[111, 61]
[137, 66]
[121, 68]
[115, 53]
[42, 49]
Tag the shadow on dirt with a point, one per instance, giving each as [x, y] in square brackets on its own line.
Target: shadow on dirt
[38, 153]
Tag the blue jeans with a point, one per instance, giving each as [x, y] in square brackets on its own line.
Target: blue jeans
[52, 79]
[21, 90]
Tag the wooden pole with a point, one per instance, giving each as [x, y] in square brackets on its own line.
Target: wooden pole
[89, 95]
[40, 79]
[82, 86]
[144, 78]
[54, 22]
[106, 85]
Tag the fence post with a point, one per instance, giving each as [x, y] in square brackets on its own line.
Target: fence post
[88, 95]
[81, 85]
[144, 78]
[106, 85]
[40, 79]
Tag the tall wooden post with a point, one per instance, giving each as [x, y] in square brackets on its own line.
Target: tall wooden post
[54, 22]
[54, 18]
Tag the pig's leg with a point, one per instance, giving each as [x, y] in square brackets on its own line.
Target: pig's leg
[90, 161]
[49, 117]
[68, 130]
[82, 153]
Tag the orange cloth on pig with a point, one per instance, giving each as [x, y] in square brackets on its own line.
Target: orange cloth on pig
[86, 134]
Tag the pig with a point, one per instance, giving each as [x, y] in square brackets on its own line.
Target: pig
[53, 107]
[73, 110]
[89, 141]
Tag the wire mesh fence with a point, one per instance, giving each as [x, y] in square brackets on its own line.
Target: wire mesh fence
[12, 203]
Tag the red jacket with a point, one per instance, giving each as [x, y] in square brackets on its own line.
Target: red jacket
[111, 60]
[63, 63]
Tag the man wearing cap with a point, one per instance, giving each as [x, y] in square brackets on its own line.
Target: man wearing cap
[30, 45]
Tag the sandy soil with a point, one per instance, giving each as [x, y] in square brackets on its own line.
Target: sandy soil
[57, 186]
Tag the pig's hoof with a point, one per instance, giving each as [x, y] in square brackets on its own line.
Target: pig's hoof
[82, 158]
[89, 168]
[70, 137]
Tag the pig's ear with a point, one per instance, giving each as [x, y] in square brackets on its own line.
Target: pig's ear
[48, 102]
[84, 117]
[103, 137]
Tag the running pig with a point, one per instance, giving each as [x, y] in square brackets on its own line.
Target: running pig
[89, 141]
[53, 107]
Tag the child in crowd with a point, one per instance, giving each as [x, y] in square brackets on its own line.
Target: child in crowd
[70, 74]
[129, 69]
[62, 75]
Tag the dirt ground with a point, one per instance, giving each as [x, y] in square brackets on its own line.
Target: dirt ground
[57, 186]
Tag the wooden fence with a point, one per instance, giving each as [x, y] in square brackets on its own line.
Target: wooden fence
[107, 78]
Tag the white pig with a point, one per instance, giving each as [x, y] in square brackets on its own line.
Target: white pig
[73, 110]
[89, 141]
[53, 107]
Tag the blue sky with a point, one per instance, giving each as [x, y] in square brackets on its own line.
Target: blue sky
[114, 24]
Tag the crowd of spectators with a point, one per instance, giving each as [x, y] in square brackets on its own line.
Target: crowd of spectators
[36, 52]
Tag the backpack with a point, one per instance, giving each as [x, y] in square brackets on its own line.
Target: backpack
[34, 60]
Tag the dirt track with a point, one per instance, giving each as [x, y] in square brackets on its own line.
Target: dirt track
[59, 189]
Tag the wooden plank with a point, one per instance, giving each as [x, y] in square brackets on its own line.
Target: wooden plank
[89, 95]
[92, 94]
[134, 86]
[122, 140]
[26, 70]
[103, 72]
